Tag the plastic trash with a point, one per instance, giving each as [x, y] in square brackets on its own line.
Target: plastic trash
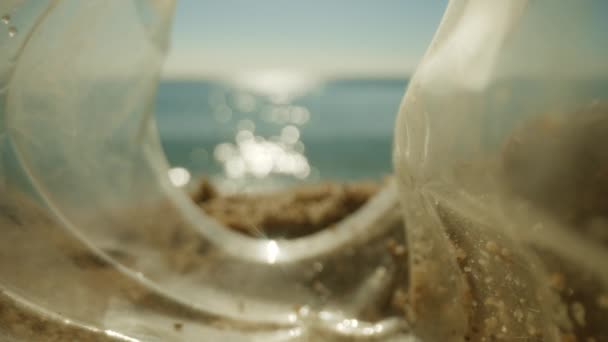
[502, 167]
[499, 162]
[97, 243]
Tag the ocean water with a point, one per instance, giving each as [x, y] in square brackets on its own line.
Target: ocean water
[243, 136]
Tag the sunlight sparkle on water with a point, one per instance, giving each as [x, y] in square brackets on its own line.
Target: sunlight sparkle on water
[279, 85]
[259, 157]
[179, 176]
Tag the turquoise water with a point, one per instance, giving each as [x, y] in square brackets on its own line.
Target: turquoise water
[333, 130]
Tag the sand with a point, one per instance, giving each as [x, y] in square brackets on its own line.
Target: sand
[290, 213]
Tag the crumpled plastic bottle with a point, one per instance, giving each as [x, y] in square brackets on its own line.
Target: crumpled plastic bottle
[97, 244]
[502, 167]
[499, 162]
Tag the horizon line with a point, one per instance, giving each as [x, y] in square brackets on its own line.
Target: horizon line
[227, 77]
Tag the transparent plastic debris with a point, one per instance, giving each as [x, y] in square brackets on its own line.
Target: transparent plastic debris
[502, 167]
[98, 244]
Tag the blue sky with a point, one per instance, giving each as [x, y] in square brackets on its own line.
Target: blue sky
[218, 38]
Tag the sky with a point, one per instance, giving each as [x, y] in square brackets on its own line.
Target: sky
[324, 38]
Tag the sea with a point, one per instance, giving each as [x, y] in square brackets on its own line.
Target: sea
[268, 134]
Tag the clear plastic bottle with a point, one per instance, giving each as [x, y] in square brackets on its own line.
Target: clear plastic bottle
[503, 173]
[96, 242]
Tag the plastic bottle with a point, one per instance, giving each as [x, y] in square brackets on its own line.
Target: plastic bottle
[501, 159]
[97, 243]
